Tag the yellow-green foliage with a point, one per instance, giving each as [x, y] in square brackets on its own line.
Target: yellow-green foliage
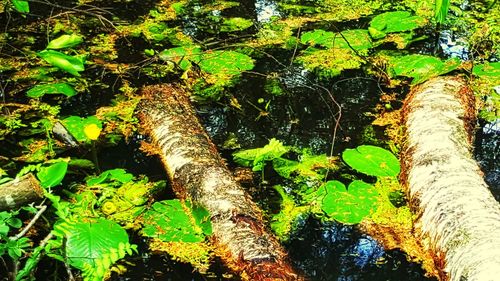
[198, 254]
[387, 214]
[330, 62]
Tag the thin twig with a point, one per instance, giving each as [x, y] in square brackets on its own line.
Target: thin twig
[30, 224]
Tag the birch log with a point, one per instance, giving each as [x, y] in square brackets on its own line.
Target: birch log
[19, 192]
[197, 172]
[457, 216]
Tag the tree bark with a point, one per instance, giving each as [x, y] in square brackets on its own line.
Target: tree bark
[457, 216]
[198, 172]
[19, 192]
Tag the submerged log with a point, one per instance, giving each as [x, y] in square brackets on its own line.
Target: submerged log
[198, 172]
[457, 216]
[19, 192]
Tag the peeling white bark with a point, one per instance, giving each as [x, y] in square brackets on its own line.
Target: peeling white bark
[457, 213]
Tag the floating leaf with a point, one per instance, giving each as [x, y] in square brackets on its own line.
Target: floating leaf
[257, 157]
[119, 175]
[358, 39]
[421, 67]
[489, 69]
[21, 6]
[225, 62]
[70, 64]
[65, 41]
[398, 21]
[56, 88]
[182, 56]
[52, 175]
[372, 160]
[175, 221]
[348, 206]
[76, 126]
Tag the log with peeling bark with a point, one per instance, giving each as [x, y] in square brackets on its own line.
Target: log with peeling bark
[457, 216]
[198, 172]
[19, 192]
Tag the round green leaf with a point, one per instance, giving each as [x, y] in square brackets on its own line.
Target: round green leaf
[56, 88]
[70, 64]
[349, 206]
[225, 62]
[372, 160]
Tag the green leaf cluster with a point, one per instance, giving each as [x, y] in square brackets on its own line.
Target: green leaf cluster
[420, 67]
[76, 126]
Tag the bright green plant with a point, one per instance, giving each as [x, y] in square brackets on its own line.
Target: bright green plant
[22, 6]
[441, 8]
[65, 41]
[257, 157]
[393, 22]
[53, 174]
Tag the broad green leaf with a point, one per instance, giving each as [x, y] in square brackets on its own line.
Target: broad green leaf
[56, 88]
[70, 64]
[119, 175]
[225, 62]
[372, 160]
[174, 221]
[490, 70]
[398, 21]
[257, 157]
[182, 56]
[21, 6]
[420, 67]
[65, 41]
[88, 241]
[52, 175]
[76, 126]
[349, 206]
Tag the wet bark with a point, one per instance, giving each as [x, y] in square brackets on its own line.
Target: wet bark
[458, 219]
[19, 192]
[198, 172]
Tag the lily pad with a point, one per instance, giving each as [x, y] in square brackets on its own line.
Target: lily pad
[372, 160]
[225, 62]
[421, 67]
[182, 56]
[489, 70]
[349, 205]
[390, 22]
[358, 39]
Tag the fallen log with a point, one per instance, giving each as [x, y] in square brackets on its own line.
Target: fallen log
[198, 172]
[19, 192]
[458, 219]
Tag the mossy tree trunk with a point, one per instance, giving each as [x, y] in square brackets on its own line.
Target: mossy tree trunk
[458, 219]
[198, 172]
